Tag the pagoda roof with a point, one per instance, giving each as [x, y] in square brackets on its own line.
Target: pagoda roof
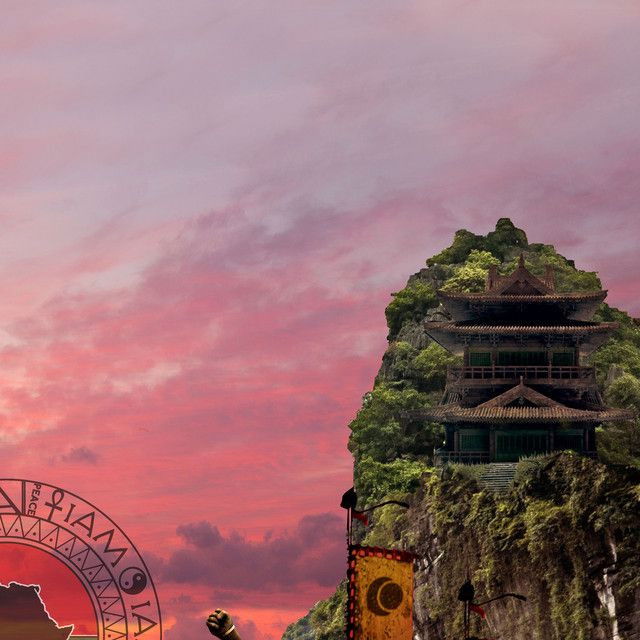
[516, 329]
[455, 413]
[454, 335]
[510, 407]
[520, 282]
[520, 392]
[492, 296]
[576, 306]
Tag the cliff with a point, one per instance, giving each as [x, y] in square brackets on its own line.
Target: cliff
[567, 533]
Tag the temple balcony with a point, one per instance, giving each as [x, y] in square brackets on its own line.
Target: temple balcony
[541, 374]
[442, 457]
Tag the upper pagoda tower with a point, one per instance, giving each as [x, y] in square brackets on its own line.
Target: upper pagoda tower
[523, 387]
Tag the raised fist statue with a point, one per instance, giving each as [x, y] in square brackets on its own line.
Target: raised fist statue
[221, 625]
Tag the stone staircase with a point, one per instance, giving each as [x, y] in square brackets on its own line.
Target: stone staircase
[498, 476]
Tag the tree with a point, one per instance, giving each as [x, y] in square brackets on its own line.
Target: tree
[472, 275]
[412, 303]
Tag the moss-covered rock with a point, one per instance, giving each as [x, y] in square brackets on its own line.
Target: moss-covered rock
[567, 533]
[412, 303]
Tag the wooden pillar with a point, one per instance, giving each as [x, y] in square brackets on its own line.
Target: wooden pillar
[456, 439]
[492, 443]
[449, 438]
[551, 438]
[585, 439]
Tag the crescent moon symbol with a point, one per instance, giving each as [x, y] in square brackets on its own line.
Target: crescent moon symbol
[383, 596]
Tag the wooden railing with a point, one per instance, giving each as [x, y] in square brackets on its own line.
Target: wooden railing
[441, 458]
[515, 372]
[465, 457]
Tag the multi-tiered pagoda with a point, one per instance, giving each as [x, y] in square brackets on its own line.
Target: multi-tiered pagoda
[522, 388]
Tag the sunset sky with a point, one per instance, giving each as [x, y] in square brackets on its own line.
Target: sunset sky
[205, 206]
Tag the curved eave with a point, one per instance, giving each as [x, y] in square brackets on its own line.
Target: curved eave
[453, 336]
[489, 329]
[552, 298]
[466, 306]
[526, 415]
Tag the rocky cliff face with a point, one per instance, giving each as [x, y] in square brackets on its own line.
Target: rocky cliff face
[566, 534]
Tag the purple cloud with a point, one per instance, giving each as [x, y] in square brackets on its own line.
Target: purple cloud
[313, 553]
[80, 454]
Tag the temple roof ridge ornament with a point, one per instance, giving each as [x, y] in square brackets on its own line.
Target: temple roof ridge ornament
[513, 292]
[522, 404]
[520, 392]
[521, 281]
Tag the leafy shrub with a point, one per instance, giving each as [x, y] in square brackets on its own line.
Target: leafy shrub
[430, 366]
[412, 303]
[325, 621]
[628, 331]
[619, 353]
[471, 277]
[624, 392]
[463, 243]
[377, 481]
[505, 237]
[424, 370]
[387, 428]
[545, 530]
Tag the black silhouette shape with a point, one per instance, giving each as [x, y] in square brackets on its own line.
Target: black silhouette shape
[349, 499]
[467, 592]
[23, 615]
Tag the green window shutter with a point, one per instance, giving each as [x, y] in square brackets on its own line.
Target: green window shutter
[511, 446]
[522, 358]
[562, 359]
[569, 439]
[479, 359]
[474, 440]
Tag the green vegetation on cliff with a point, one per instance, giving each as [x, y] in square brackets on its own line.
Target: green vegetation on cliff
[414, 368]
[565, 514]
[325, 621]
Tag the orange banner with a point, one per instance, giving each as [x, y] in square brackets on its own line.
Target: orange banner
[380, 594]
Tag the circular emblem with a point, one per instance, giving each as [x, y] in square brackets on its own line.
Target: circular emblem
[384, 596]
[81, 536]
